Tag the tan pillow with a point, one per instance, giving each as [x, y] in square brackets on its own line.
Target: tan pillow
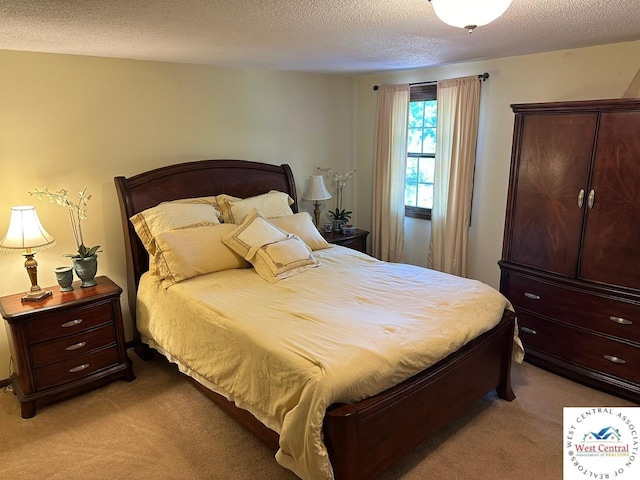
[301, 225]
[273, 253]
[254, 232]
[271, 205]
[189, 252]
[170, 216]
[283, 259]
[211, 200]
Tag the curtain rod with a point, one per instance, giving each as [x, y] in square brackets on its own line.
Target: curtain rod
[482, 77]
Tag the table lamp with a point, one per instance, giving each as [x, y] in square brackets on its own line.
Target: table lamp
[27, 235]
[316, 191]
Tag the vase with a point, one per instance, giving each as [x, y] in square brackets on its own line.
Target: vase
[86, 269]
[64, 276]
[337, 225]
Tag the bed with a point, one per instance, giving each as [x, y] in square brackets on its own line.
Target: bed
[362, 437]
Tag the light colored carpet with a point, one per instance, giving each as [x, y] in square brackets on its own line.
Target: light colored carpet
[161, 427]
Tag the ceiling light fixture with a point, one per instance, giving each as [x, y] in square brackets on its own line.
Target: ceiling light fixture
[469, 14]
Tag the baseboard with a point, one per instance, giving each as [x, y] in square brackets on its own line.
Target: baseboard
[4, 382]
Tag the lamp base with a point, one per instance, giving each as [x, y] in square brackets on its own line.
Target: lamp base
[37, 296]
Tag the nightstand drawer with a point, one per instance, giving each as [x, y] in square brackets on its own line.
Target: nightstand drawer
[75, 368]
[68, 323]
[69, 347]
[605, 315]
[581, 348]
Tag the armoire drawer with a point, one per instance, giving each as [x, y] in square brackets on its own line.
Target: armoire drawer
[581, 348]
[604, 315]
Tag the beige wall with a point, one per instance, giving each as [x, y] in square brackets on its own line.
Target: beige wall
[580, 74]
[70, 122]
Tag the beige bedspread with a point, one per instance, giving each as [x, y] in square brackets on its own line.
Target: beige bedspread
[288, 350]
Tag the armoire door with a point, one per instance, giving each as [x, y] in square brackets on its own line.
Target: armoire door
[551, 180]
[611, 247]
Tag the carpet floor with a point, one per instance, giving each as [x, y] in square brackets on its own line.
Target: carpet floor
[161, 427]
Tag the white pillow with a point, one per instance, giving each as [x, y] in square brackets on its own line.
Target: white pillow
[171, 216]
[189, 252]
[271, 205]
[301, 225]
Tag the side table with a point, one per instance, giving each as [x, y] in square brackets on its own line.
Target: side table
[356, 241]
[66, 344]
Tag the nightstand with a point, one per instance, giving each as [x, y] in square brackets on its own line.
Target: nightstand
[69, 343]
[357, 241]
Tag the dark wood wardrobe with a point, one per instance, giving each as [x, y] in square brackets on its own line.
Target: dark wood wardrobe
[571, 253]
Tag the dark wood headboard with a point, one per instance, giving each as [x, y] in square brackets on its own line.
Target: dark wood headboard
[239, 178]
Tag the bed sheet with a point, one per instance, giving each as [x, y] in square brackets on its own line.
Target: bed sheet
[341, 332]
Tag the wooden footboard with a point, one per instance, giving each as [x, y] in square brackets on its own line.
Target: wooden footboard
[368, 437]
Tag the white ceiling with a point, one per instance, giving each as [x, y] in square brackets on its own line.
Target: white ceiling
[333, 36]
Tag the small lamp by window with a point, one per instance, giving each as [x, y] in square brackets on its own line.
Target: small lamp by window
[27, 235]
[316, 191]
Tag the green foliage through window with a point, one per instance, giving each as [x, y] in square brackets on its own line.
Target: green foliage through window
[421, 150]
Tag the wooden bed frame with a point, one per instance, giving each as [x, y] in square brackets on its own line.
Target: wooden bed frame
[365, 438]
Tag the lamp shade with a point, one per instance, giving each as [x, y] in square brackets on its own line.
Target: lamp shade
[469, 14]
[25, 231]
[316, 189]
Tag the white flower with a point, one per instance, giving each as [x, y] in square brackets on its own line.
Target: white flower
[77, 213]
[340, 179]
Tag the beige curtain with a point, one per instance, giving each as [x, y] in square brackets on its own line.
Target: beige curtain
[457, 134]
[389, 172]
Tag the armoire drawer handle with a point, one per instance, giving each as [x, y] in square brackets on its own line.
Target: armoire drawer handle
[620, 320]
[614, 359]
[79, 368]
[76, 346]
[528, 330]
[532, 296]
[581, 198]
[71, 323]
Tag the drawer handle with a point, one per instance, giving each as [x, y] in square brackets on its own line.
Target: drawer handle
[532, 296]
[614, 359]
[620, 320]
[528, 330]
[76, 346]
[79, 368]
[71, 323]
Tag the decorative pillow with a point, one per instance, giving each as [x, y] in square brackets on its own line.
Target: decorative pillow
[301, 225]
[254, 232]
[283, 259]
[189, 252]
[273, 253]
[170, 216]
[271, 205]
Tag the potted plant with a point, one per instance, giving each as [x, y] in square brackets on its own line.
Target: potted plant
[85, 260]
[339, 218]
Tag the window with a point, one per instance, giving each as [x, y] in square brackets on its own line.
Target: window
[421, 151]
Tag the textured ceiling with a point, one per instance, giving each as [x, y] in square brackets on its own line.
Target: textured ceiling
[341, 36]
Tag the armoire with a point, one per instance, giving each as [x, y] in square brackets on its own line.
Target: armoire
[571, 251]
